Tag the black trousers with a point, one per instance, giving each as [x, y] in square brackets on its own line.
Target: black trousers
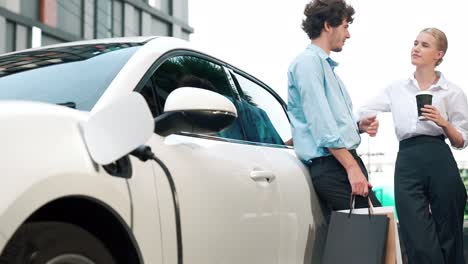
[331, 183]
[430, 200]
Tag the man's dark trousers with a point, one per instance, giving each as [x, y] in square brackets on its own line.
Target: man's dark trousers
[332, 184]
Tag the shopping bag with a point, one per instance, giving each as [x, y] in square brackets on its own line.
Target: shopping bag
[393, 250]
[356, 238]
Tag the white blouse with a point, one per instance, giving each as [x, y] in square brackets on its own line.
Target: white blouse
[400, 99]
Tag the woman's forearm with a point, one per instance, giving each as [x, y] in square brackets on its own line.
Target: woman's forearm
[455, 137]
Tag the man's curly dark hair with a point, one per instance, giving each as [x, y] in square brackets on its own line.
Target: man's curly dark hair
[318, 12]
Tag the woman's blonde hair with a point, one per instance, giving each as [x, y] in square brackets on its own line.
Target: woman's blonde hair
[441, 40]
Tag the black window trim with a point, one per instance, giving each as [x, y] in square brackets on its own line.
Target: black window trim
[187, 52]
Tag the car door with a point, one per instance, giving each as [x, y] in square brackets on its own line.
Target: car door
[226, 190]
[302, 226]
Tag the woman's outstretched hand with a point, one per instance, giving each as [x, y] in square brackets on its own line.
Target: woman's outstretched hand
[370, 125]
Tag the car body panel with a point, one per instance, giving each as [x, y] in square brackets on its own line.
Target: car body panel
[46, 160]
[226, 216]
[300, 210]
[146, 211]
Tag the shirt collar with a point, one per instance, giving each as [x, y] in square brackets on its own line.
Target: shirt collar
[441, 83]
[322, 54]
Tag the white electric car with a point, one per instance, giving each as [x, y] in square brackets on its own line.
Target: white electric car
[145, 150]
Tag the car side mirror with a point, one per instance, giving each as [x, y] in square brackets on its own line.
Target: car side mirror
[195, 110]
[118, 128]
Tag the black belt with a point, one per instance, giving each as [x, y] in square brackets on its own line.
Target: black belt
[323, 159]
[421, 139]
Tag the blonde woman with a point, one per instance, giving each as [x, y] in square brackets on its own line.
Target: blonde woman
[429, 193]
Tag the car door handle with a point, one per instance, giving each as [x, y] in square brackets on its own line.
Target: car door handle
[262, 175]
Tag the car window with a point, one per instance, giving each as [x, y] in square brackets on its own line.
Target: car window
[75, 76]
[190, 71]
[263, 116]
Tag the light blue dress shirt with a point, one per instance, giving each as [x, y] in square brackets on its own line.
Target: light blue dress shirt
[319, 106]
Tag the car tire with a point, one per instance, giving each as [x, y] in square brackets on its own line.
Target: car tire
[55, 243]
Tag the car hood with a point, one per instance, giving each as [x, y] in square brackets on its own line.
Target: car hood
[39, 135]
[10, 109]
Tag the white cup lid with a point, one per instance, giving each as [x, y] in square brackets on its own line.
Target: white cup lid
[424, 92]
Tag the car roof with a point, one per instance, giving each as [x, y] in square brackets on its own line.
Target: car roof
[142, 39]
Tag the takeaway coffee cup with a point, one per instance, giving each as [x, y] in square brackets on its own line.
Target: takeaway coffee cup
[423, 98]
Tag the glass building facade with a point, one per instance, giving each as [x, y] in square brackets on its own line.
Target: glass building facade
[33, 23]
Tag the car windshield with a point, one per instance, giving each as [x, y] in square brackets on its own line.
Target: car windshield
[73, 76]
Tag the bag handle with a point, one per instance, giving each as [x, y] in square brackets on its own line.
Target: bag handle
[352, 202]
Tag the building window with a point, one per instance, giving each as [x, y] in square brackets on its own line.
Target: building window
[30, 8]
[10, 36]
[103, 18]
[132, 21]
[160, 28]
[89, 19]
[18, 37]
[117, 18]
[23, 37]
[70, 16]
[166, 6]
[109, 18]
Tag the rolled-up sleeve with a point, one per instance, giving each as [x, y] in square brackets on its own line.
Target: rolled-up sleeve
[458, 115]
[317, 112]
[377, 104]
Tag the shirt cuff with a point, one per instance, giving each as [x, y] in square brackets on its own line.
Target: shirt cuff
[464, 136]
[359, 130]
[465, 140]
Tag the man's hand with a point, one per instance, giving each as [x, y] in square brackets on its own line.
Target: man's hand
[357, 180]
[370, 125]
[359, 184]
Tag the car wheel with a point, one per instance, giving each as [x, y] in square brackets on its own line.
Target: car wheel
[55, 243]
